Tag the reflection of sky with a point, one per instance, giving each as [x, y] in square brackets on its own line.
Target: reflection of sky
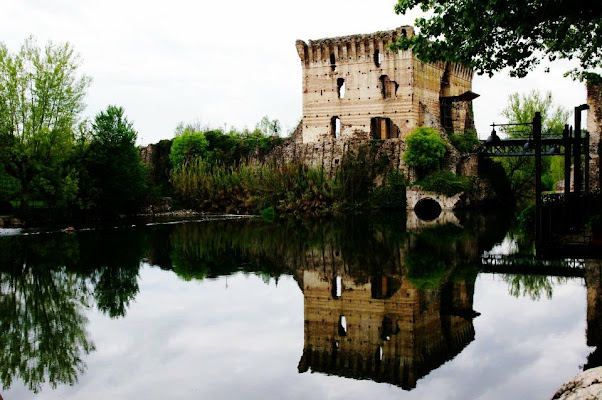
[240, 338]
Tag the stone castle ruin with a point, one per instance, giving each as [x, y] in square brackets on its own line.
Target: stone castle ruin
[355, 87]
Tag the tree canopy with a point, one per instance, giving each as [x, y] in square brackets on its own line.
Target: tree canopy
[490, 35]
[521, 170]
[117, 177]
[425, 149]
[41, 97]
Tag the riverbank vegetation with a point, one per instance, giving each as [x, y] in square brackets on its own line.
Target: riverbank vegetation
[295, 188]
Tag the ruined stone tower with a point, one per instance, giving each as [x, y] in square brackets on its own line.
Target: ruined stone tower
[355, 87]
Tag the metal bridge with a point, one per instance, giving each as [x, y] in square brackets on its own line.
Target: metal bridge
[525, 265]
[552, 144]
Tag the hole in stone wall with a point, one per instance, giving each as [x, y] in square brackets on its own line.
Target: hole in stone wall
[342, 326]
[382, 128]
[377, 58]
[341, 88]
[427, 209]
[333, 63]
[337, 288]
[335, 123]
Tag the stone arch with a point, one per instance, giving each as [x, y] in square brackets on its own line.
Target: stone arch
[427, 209]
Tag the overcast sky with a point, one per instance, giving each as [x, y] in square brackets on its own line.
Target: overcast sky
[222, 62]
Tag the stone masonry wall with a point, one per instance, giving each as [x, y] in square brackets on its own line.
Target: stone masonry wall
[354, 87]
[594, 127]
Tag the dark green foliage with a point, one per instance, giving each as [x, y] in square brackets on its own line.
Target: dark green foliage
[445, 182]
[526, 220]
[116, 178]
[268, 214]
[425, 149]
[495, 174]
[354, 179]
[548, 183]
[392, 195]
[426, 269]
[465, 142]
[595, 223]
[160, 170]
[9, 186]
[490, 35]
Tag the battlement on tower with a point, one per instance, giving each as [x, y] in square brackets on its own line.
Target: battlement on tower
[356, 87]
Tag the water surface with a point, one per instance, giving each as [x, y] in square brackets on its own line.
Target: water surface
[248, 309]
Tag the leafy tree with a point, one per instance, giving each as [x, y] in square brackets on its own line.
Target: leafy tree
[41, 97]
[425, 149]
[117, 177]
[268, 127]
[490, 35]
[522, 108]
[521, 170]
[187, 146]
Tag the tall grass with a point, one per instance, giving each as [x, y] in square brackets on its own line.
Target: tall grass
[288, 188]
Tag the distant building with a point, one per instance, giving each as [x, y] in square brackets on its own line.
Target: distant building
[354, 87]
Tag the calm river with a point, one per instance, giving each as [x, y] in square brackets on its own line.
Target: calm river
[384, 308]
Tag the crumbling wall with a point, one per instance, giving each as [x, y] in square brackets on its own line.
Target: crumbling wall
[328, 154]
[594, 127]
[355, 87]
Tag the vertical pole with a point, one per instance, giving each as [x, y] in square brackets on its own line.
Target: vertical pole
[577, 163]
[586, 166]
[537, 142]
[567, 161]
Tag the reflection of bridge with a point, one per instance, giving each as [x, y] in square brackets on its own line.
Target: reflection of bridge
[525, 265]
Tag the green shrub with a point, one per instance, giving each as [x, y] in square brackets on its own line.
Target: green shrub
[548, 183]
[391, 195]
[465, 143]
[526, 220]
[445, 182]
[268, 214]
[425, 149]
[187, 146]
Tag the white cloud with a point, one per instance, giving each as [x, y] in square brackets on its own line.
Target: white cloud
[223, 62]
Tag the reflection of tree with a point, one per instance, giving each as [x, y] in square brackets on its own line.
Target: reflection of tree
[46, 283]
[42, 332]
[112, 262]
[532, 286]
[436, 253]
[114, 289]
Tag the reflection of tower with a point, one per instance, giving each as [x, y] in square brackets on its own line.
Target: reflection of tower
[593, 282]
[382, 329]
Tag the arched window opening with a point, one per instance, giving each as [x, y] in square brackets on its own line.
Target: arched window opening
[336, 127]
[382, 128]
[377, 58]
[337, 288]
[342, 326]
[341, 88]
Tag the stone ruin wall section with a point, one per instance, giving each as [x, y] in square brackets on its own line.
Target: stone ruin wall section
[594, 127]
[377, 82]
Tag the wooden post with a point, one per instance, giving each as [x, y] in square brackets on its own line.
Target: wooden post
[566, 137]
[586, 166]
[577, 162]
[537, 142]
